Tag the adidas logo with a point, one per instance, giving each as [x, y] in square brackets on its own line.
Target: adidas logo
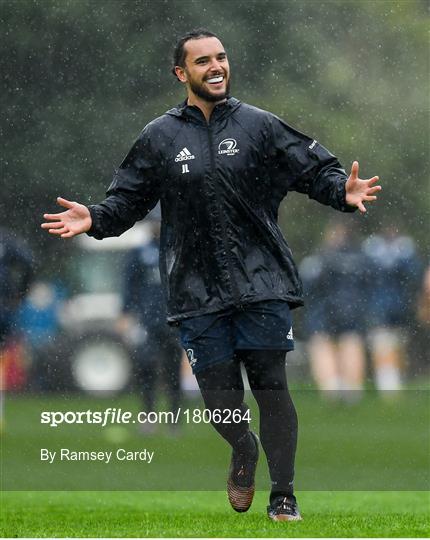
[184, 154]
[290, 333]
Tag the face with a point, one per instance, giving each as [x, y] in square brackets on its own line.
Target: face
[206, 72]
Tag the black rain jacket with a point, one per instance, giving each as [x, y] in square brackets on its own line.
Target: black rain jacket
[220, 185]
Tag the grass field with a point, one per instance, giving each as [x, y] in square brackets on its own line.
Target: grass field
[364, 456]
[207, 514]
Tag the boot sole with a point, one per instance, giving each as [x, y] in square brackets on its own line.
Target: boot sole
[240, 498]
[285, 518]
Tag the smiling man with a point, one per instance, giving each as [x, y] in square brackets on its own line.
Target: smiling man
[220, 169]
[202, 65]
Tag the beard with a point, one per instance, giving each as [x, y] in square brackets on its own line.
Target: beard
[200, 91]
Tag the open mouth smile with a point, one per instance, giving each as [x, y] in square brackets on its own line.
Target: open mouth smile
[215, 80]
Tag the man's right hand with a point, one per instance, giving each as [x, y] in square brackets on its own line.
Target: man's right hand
[75, 220]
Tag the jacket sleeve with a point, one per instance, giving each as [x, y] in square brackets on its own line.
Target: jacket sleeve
[133, 193]
[301, 164]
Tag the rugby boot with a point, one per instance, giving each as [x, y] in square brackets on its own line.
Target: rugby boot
[284, 508]
[241, 479]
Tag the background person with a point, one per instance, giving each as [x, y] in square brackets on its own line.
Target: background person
[396, 279]
[40, 326]
[16, 273]
[157, 351]
[423, 312]
[424, 299]
[336, 284]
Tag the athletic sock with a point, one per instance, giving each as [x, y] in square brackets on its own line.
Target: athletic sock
[245, 445]
[221, 387]
[388, 378]
[278, 417]
[275, 494]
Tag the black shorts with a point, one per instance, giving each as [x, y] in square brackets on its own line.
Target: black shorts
[214, 338]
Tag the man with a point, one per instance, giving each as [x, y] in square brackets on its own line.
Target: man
[16, 274]
[220, 169]
[336, 282]
[396, 268]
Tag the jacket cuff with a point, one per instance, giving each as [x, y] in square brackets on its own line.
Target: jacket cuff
[341, 198]
[95, 230]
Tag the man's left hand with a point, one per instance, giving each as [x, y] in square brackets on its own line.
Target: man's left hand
[358, 191]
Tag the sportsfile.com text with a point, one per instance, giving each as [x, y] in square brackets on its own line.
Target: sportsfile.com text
[112, 416]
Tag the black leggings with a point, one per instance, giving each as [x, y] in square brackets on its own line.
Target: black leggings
[222, 388]
[159, 358]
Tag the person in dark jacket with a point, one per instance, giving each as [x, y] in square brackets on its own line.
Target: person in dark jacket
[159, 353]
[16, 274]
[397, 272]
[337, 288]
[220, 169]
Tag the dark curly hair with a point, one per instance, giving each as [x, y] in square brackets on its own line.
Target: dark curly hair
[179, 52]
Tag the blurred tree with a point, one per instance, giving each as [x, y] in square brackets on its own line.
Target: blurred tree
[81, 79]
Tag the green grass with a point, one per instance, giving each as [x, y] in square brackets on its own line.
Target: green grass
[362, 455]
[207, 514]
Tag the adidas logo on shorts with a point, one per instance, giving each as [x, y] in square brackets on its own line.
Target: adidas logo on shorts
[290, 333]
[184, 154]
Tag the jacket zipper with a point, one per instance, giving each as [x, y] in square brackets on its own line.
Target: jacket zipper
[233, 284]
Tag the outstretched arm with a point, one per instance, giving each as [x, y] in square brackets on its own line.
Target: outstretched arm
[359, 191]
[75, 220]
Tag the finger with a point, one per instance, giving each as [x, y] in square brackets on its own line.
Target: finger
[370, 198]
[53, 216]
[354, 170]
[373, 180]
[54, 225]
[373, 190]
[59, 232]
[65, 202]
[361, 207]
[68, 234]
